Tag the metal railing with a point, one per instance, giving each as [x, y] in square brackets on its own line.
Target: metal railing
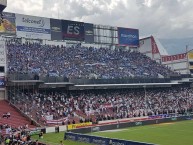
[52, 79]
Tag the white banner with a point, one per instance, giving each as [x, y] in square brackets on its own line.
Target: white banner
[49, 117]
[57, 121]
[33, 27]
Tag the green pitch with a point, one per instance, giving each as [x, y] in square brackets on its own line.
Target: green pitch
[178, 133]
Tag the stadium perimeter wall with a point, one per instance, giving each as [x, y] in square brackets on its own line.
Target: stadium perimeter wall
[80, 134]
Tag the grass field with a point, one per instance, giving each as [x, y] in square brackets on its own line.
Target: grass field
[178, 133]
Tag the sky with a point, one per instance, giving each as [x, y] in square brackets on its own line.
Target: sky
[161, 18]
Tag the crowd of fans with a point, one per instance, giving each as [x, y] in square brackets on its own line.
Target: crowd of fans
[81, 62]
[20, 135]
[15, 136]
[108, 104]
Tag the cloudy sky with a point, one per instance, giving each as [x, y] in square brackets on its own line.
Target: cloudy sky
[162, 18]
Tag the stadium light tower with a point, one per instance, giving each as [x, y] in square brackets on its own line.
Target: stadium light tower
[3, 5]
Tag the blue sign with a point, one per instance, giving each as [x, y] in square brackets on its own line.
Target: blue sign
[33, 30]
[99, 140]
[2, 82]
[128, 36]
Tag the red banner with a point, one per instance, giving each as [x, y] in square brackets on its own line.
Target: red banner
[173, 57]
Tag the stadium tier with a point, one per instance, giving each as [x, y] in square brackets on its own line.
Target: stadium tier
[78, 62]
[99, 105]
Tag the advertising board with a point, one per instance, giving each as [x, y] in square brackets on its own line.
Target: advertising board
[2, 82]
[99, 140]
[8, 26]
[190, 56]
[154, 120]
[33, 27]
[72, 30]
[74, 126]
[174, 57]
[89, 33]
[128, 36]
[56, 29]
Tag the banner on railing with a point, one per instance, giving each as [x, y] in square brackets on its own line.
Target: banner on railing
[74, 126]
[59, 121]
[49, 117]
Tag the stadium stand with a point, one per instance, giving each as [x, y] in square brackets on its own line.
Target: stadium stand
[53, 106]
[15, 119]
[98, 105]
[127, 84]
[11, 122]
[81, 62]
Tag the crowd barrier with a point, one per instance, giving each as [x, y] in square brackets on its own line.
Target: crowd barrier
[79, 134]
[29, 76]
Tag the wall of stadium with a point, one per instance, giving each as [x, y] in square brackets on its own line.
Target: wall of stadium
[3, 69]
[148, 47]
[151, 47]
[145, 46]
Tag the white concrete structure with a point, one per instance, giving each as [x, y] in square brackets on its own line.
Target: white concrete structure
[152, 47]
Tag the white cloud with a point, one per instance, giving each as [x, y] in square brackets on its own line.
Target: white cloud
[163, 18]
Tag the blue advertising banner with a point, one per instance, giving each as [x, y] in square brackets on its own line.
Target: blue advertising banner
[99, 140]
[128, 36]
[89, 33]
[73, 30]
[2, 82]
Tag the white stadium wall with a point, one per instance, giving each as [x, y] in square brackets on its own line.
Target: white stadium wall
[151, 47]
[145, 46]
